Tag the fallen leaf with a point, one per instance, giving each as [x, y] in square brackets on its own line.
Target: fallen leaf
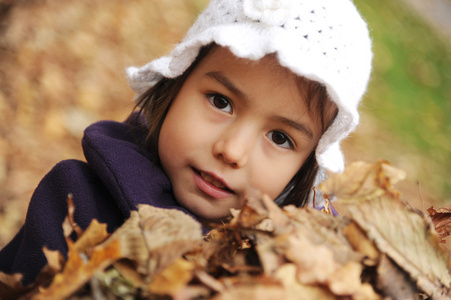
[70, 218]
[224, 249]
[55, 260]
[77, 272]
[11, 286]
[256, 212]
[261, 292]
[112, 282]
[361, 244]
[395, 283]
[155, 237]
[250, 287]
[94, 235]
[172, 279]
[295, 290]
[361, 181]
[441, 218]
[407, 238]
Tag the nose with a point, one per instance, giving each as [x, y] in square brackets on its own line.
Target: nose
[234, 146]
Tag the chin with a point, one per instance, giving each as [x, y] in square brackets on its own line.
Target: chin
[205, 212]
[211, 216]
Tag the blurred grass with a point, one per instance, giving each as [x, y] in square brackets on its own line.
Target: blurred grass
[410, 91]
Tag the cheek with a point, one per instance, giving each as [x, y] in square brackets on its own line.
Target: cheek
[180, 135]
[170, 145]
[272, 178]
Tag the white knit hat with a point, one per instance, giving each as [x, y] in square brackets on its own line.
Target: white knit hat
[323, 40]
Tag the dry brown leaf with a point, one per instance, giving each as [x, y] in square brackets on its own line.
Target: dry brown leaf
[361, 243]
[193, 291]
[260, 292]
[155, 237]
[255, 214]
[323, 229]
[95, 234]
[362, 181]
[127, 269]
[55, 260]
[224, 249]
[85, 257]
[11, 286]
[441, 218]
[270, 259]
[408, 239]
[77, 272]
[300, 250]
[395, 283]
[294, 289]
[172, 279]
[315, 263]
[322, 256]
[70, 217]
[132, 243]
[209, 281]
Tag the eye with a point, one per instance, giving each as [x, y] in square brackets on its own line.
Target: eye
[280, 139]
[220, 102]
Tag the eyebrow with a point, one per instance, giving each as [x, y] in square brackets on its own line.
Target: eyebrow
[296, 125]
[222, 79]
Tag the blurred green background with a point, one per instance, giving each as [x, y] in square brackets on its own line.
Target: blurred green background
[409, 97]
[62, 68]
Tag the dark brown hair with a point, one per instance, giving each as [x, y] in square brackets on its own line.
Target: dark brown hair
[155, 102]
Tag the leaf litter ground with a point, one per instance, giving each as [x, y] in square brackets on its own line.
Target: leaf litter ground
[377, 248]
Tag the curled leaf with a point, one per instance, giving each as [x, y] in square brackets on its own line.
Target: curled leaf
[407, 238]
[362, 181]
[173, 278]
[155, 237]
[441, 218]
[77, 271]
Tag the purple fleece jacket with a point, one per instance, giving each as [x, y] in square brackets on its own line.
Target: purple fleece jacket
[117, 176]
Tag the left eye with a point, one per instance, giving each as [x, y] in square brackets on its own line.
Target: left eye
[280, 139]
[220, 102]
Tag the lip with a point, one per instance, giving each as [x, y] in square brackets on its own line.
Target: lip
[209, 188]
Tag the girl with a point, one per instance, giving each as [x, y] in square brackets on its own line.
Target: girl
[258, 95]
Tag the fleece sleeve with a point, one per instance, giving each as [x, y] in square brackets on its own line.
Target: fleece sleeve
[46, 213]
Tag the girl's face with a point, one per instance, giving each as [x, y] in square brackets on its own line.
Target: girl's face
[235, 124]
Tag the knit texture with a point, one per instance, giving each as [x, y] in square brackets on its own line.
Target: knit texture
[323, 40]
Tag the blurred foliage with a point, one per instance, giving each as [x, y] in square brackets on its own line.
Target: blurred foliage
[62, 67]
[410, 91]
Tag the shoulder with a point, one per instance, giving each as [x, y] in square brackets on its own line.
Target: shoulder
[69, 170]
[69, 177]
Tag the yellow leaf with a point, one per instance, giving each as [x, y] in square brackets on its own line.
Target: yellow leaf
[94, 235]
[77, 272]
[361, 243]
[69, 223]
[55, 260]
[173, 278]
[260, 292]
[295, 290]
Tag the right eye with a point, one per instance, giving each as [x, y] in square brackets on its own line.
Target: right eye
[220, 102]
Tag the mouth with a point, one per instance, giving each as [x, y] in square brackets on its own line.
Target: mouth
[212, 185]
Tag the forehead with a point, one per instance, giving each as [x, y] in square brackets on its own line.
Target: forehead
[269, 88]
[223, 57]
[313, 94]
